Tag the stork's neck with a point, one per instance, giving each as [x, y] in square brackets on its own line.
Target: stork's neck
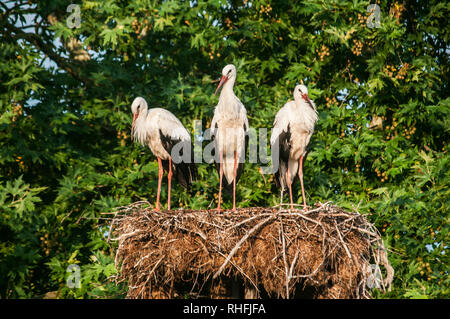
[228, 87]
[304, 106]
[227, 97]
[300, 102]
[140, 132]
[143, 113]
[142, 117]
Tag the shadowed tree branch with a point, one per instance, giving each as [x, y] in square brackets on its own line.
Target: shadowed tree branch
[48, 49]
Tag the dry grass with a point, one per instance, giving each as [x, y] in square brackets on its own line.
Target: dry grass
[273, 252]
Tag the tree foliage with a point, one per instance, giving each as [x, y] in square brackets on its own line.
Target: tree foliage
[380, 145]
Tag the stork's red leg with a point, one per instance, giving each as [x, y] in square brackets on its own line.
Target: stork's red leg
[300, 175]
[169, 178]
[234, 181]
[220, 181]
[288, 180]
[160, 174]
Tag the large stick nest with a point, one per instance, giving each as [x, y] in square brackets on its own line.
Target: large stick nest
[272, 252]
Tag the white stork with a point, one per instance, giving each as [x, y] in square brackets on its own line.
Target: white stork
[161, 131]
[229, 128]
[292, 130]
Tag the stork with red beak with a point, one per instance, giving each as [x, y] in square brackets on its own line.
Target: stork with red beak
[162, 131]
[230, 133]
[291, 133]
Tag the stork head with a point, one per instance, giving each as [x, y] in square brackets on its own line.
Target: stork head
[301, 93]
[139, 104]
[228, 72]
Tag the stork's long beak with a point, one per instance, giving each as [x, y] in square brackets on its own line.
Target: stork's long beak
[306, 98]
[222, 82]
[132, 125]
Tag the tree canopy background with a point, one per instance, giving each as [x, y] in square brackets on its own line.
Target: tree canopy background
[381, 143]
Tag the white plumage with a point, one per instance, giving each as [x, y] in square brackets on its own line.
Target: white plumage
[149, 123]
[160, 130]
[229, 128]
[292, 130]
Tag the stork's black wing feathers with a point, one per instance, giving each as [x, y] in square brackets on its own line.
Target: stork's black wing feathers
[214, 152]
[284, 140]
[184, 172]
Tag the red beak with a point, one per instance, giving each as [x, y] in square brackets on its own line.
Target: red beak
[132, 125]
[222, 81]
[306, 98]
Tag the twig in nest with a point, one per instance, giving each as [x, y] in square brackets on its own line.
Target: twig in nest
[235, 249]
[283, 240]
[343, 242]
[242, 272]
[248, 220]
[310, 274]
[291, 269]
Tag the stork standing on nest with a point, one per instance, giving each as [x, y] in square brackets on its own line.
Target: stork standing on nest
[291, 133]
[229, 128]
[162, 131]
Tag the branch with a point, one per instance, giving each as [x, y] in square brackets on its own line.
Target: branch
[283, 241]
[11, 9]
[46, 48]
[239, 243]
